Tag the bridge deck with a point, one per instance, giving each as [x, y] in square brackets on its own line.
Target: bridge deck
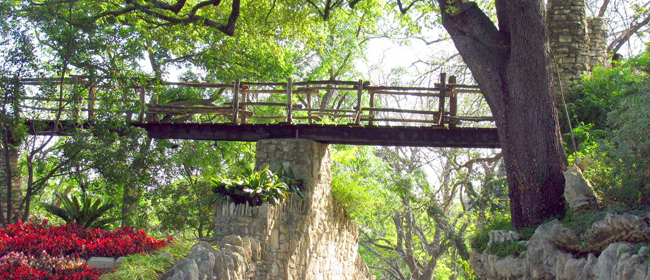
[331, 134]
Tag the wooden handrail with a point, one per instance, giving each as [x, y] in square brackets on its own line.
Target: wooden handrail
[349, 101]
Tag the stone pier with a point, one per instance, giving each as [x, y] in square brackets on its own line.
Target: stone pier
[308, 238]
[578, 43]
[16, 182]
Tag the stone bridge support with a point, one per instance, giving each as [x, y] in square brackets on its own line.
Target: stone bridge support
[10, 160]
[307, 238]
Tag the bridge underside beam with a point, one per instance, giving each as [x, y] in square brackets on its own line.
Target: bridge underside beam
[331, 134]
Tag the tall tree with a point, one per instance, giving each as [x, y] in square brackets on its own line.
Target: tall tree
[511, 65]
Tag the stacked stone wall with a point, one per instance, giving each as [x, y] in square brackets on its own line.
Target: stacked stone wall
[308, 238]
[577, 43]
[16, 181]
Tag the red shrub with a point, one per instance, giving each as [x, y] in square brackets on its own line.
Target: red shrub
[71, 240]
[38, 251]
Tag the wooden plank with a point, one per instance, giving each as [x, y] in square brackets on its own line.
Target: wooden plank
[372, 106]
[453, 101]
[325, 110]
[270, 91]
[142, 104]
[235, 105]
[387, 88]
[189, 84]
[327, 82]
[341, 134]
[338, 115]
[405, 120]
[244, 107]
[423, 94]
[289, 100]
[397, 110]
[282, 117]
[441, 100]
[294, 105]
[309, 103]
[472, 119]
[467, 91]
[334, 88]
[91, 103]
[357, 118]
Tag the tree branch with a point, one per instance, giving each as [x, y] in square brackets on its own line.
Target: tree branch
[603, 8]
[191, 18]
[615, 45]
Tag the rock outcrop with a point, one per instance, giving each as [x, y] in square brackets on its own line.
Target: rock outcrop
[236, 259]
[606, 251]
[578, 192]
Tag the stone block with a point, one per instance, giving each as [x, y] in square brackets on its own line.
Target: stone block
[565, 39]
[165, 255]
[101, 262]
[121, 260]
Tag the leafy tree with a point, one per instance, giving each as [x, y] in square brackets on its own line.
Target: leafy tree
[419, 229]
[512, 66]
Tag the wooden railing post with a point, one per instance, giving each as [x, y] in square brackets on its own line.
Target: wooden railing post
[76, 99]
[309, 114]
[289, 100]
[154, 117]
[143, 104]
[453, 102]
[235, 102]
[441, 101]
[371, 114]
[357, 117]
[91, 102]
[244, 98]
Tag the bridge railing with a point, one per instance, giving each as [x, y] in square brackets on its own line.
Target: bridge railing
[309, 102]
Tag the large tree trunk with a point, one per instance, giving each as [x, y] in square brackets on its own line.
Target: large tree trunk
[511, 65]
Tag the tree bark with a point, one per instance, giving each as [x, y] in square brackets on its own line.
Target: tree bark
[512, 67]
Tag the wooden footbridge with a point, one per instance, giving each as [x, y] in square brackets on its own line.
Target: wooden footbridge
[337, 112]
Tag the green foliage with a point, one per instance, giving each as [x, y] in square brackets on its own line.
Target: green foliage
[597, 94]
[258, 187]
[357, 180]
[479, 241]
[504, 249]
[149, 266]
[629, 145]
[612, 105]
[184, 205]
[582, 222]
[83, 211]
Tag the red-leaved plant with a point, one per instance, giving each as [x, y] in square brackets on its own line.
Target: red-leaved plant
[40, 251]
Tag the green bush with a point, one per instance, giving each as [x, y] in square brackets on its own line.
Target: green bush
[613, 104]
[358, 180]
[629, 150]
[84, 211]
[597, 94]
[480, 239]
[504, 249]
[258, 187]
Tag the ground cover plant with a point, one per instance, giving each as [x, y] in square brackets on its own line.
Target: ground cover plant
[40, 251]
[151, 265]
